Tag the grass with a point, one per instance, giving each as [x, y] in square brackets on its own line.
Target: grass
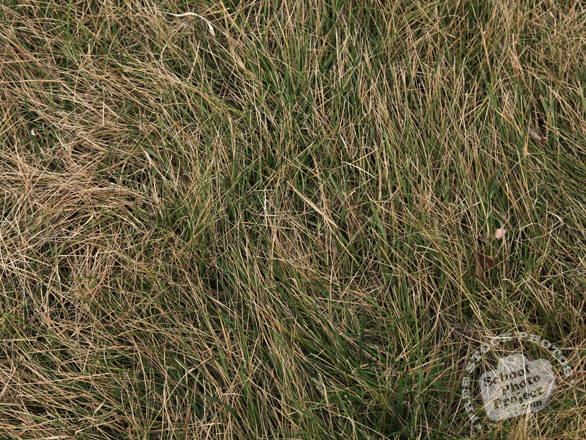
[270, 232]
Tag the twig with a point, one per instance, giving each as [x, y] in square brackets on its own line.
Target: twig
[185, 14]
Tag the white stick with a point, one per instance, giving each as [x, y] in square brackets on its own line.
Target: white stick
[185, 14]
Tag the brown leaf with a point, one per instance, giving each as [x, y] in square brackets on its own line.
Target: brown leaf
[485, 263]
[479, 271]
[535, 136]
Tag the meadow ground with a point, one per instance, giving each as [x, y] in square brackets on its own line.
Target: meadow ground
[264, 221]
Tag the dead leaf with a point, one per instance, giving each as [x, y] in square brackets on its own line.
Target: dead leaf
[485, 263]
[499, 234]
[479, 271]
[535, 136]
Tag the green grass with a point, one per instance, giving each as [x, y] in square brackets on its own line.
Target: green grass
[270, 232]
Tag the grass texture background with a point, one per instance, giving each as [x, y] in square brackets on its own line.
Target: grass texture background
[267, 227]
